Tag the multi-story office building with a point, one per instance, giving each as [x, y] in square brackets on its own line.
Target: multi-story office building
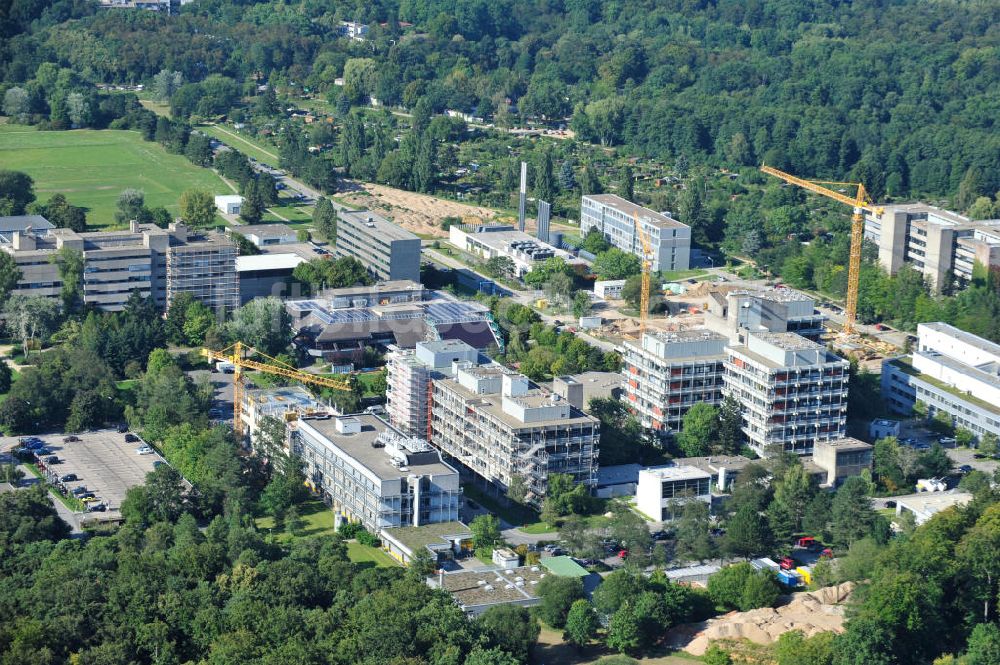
[735, 313]
[792, 390]
[668, 373]
[158, 263]
[614, 217]
[662, 491]
[388, 251]
[409, 376]
[499, 425]
[205, 267]
[951, 371]
[943, 245]
[369, 472]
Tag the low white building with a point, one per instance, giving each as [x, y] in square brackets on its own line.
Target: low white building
[925, 505]
[489, 241]
[663, 488]
[229, 204]
[609, 289]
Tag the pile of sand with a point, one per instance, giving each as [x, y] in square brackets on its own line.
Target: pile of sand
[812, 612]
[418, 213]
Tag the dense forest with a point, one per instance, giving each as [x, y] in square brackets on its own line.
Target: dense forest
[900, 93]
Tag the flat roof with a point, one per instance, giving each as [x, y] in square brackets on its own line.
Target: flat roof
[695, 335]
[359, 448]
[774, 295]
[905, 364]
[564, 566]
[963, 336]
[715, 462]
[847, 443]
[388, 286]
[933, 502]
[678, 472]
[491, 586]
[265, 230]
[492, 403]
[380, 226]
[228, 198]
[444, 345]
[440, 533]
[787, 341]
[282, 261]
[627, 207]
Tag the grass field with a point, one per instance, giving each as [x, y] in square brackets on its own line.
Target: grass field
[317, 520]
[362, 554]
[249, 146]
[91, 167]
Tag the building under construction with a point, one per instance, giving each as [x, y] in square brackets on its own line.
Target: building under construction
[507, 430]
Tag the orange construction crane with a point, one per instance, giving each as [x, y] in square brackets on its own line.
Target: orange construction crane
[861, 203]
[237, 355]
[647, 266]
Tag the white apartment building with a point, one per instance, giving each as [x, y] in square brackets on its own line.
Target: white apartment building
[369, 472]
[502, 427]
[409, 376]
[662, 491]
[665, 374]
[614, 217]
[941, 244]
[792, 390]
[950, 371]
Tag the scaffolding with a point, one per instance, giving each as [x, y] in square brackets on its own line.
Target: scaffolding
[207, 270]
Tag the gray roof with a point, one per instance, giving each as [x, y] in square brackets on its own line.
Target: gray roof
[22, 222]
[359, 448]
[376, 224]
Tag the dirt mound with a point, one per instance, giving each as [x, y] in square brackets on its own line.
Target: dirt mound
[812, 612]
[418, 213]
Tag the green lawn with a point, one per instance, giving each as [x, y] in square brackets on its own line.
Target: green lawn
[362, 554]
[366, 380]
[317, 520]
[248, 145]
[91, 167]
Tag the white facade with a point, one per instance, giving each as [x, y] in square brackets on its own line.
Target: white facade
[951, 371]
[614, 217]
[229, 204]
[793, 391]
[609, 289]
[409, 376]
[662, 489]
[490, 241]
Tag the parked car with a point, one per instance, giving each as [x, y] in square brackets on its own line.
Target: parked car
[964, 469]
[90, 499]
[948, 441]
[622, 554]
[144, 450]
[51, 459]
[97, 508]
[68, 478]
[86, 496]
[131, 438]
[78, 491]
[70, 439]
[42, 452]
[787, 563]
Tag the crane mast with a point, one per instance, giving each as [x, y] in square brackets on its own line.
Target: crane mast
[236, 354]
[860, 203]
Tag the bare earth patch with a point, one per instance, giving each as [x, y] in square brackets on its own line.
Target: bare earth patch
[417, 213]
[813, 612]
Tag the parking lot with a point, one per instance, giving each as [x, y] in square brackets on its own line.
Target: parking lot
[103, 463]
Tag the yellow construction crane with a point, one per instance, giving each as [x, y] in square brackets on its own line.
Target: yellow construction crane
[647, 266]
[861, 203]
[237, 355]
